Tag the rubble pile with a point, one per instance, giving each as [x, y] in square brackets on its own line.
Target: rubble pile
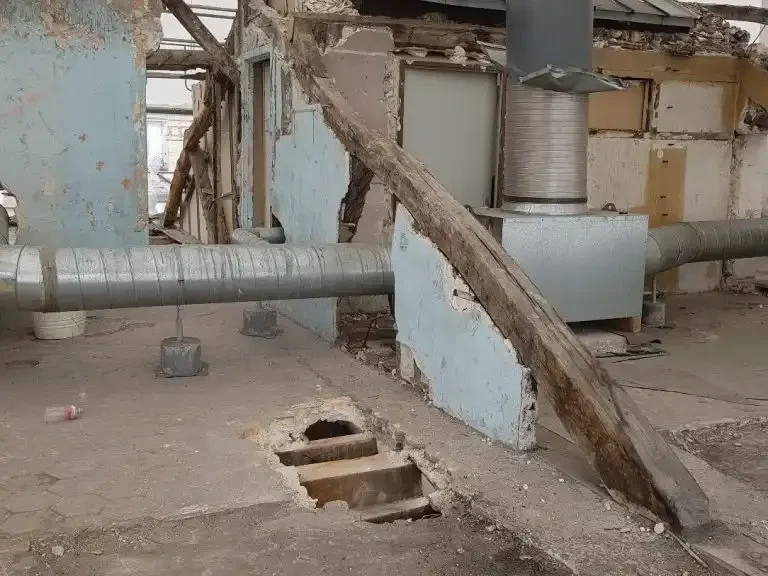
[711, 35]
[329, 7]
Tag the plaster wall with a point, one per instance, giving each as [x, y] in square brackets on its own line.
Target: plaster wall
[307, 173]
[72, 118]
[450, 347]
[694, 108]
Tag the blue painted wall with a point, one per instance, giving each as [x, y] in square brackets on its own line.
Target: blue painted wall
[307, 174]
[72, 118]
[471, 370]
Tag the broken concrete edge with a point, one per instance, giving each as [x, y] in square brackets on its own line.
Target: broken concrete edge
[446, 499]
[284, 433]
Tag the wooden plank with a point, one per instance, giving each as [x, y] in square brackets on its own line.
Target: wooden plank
[386, 477]
[221, 60]
[259, 149]
[225, 192]
[178, 182]
[660, 66]
[178, 60]
[664, 197]
[405, 32]
[624, 63]
[200, 125]
[204, 190]
[400, 510]
[622, 110]
[631, 324]
[741, 13]
[633, 460]
[328, 449]
[753, 85]
[178, 236]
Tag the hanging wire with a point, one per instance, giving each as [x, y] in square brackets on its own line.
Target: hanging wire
[757, 37]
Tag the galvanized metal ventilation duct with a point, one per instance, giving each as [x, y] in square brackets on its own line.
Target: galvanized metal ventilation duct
[549, 43]
[672, 246]
[56, 280]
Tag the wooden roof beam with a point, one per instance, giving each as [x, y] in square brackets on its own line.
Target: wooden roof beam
[221, 60]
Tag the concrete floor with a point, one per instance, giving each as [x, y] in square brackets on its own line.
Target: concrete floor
[164, 464]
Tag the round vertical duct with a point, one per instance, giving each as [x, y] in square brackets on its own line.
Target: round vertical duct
[545, 151]
[545, 146]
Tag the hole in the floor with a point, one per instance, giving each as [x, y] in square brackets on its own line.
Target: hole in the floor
[340, 462]
[330, 429]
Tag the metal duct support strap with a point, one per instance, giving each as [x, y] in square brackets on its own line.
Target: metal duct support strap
[672, 246]
[56, 280]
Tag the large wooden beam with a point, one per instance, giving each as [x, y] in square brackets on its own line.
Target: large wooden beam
[178, 60]
[205, 190]
[633, 460]
[200, 125]
[221, 59]
[742, 13]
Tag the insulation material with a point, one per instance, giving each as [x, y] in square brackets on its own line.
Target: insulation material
[329, 6]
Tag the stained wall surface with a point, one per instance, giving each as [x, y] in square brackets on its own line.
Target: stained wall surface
[72, 118]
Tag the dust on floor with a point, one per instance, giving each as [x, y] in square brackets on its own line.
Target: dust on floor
[278, 539]
[737, 449]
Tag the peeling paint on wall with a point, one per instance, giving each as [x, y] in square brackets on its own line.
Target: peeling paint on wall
[72, 122]
[307, 173]
[448, 340]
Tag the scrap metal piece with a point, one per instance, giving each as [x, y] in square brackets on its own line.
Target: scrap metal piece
[571, 80]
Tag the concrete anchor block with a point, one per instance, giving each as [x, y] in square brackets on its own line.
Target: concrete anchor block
[654, 313]
[181, 357]
[260, 322]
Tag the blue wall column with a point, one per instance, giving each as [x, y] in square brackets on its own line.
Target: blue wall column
[72, 118]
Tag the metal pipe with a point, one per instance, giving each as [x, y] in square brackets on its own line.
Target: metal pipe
[273, 235]
[56, 280]
[545, 151]
[545, 142]
[242, 236]
[671, 246]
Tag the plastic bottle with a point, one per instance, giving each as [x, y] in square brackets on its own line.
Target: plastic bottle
[62, 413]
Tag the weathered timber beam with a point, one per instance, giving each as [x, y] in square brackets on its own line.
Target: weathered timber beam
[204, 189]
[220, 58]
[742, 13]
[632, 458]
[178, 60]
[405, 32]
[200, 125]
[178, 182]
